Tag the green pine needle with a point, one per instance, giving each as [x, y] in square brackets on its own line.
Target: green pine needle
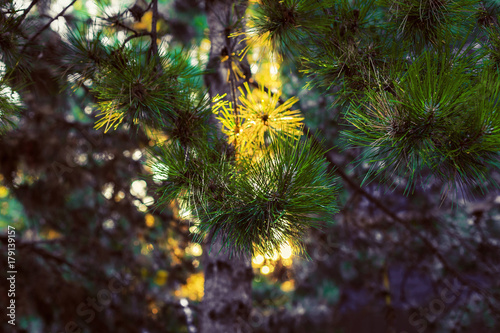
[442, 117]
[287, 24]
[426, 22]
[150, 93]
[253, 206]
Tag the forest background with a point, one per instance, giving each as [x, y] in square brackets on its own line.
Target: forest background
[413, 249]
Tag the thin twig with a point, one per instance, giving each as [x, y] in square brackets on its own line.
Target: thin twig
[394, 217]
[154, 34]
[233, 96]
[35, 36]
[121, 25]
[26, 11]
[137, 35]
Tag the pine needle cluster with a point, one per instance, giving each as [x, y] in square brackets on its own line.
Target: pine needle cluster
[85, 53]
[442, 117]
[134, 87]
[13, 66]
[253, 206]
[403, 78]
[10, 107]
[258, 188]
[420, 23]
[258, 116]
[12, 34]
[351, 58]
[255, 189]
[143, 92]
[280, 196]
[284, 26]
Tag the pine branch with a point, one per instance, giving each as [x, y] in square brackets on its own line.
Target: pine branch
[44, 253]
[351, 183]
[337, 168]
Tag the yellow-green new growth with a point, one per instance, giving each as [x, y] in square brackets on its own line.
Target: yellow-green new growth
[260, 115]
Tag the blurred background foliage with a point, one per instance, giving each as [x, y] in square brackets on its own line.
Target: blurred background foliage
[83, 217]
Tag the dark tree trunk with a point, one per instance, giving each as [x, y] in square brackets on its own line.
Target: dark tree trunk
[228, 292]
[228, 280]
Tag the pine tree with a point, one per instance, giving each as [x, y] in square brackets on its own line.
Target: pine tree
[416, 82]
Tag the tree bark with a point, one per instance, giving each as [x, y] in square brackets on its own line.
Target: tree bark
[228, 279]
[227, 302]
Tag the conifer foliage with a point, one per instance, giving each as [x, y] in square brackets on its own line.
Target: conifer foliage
[416, 83]
[442, 116]
[257, 191]
[410, 82]
[433, 108]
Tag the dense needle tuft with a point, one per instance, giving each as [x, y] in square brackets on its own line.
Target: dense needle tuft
[139, 91]
[253, 206]
[442, 117]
